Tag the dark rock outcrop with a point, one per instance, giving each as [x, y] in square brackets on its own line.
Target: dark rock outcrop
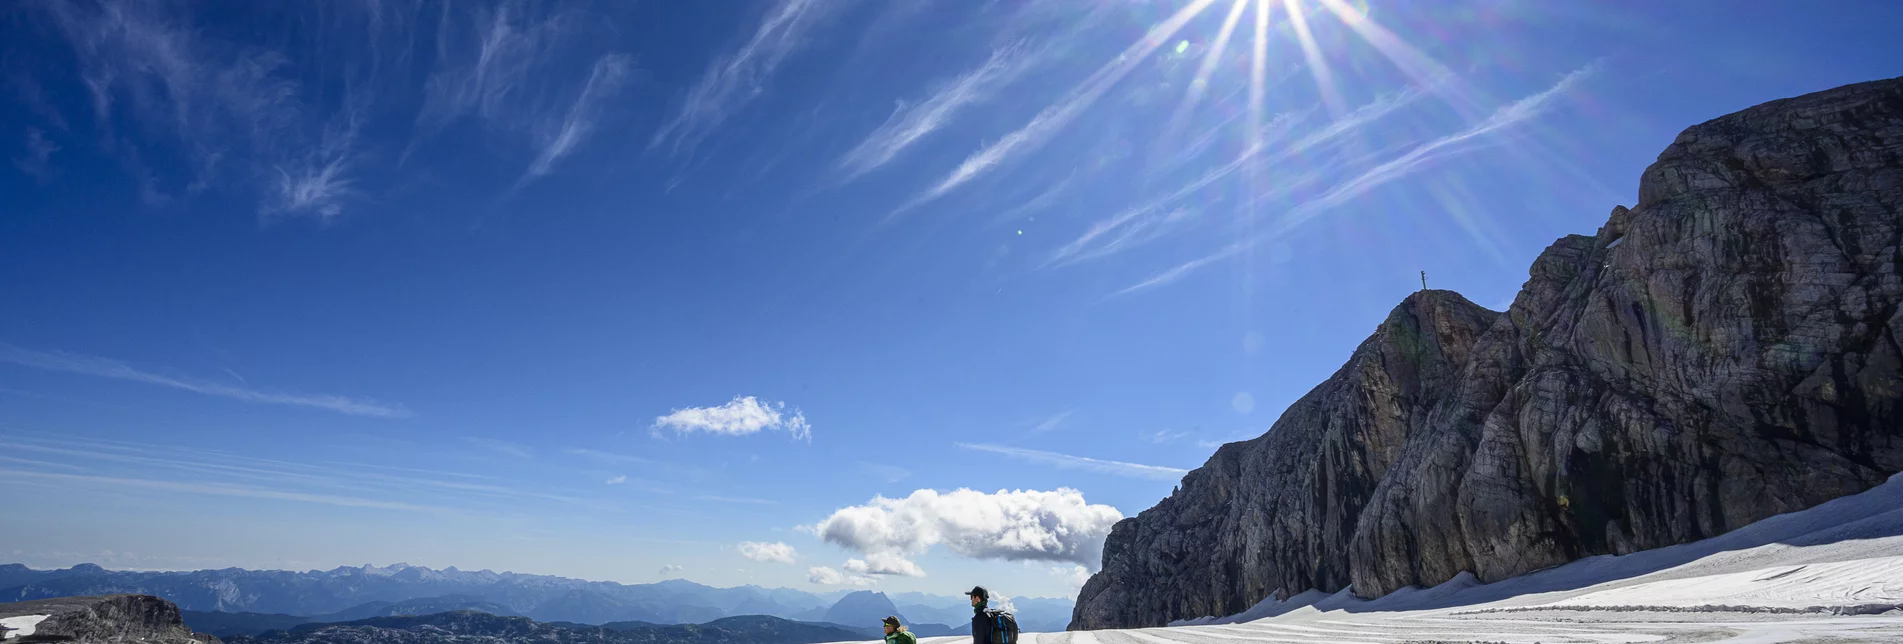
[109, 618]
[1726, 350]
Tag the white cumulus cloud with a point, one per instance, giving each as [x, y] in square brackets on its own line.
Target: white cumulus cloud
[1012, 525]
[829, 577]
[739, 417]
[884, 563]
[670, 569]
[767, 552]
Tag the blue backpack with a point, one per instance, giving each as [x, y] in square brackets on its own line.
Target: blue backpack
[1004, 626]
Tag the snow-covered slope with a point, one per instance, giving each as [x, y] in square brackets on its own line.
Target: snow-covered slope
[1833, 573]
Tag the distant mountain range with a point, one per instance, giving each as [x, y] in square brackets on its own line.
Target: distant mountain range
[215, 600]
[472, 627]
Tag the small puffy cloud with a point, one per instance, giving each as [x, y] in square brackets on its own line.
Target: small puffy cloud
[670, 569]
[741, 416]
[884, 563]
[767, 552]
[829, 577]
[617, 480]
[1011, 525]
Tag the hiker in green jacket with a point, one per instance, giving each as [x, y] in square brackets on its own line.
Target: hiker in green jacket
[896, 633]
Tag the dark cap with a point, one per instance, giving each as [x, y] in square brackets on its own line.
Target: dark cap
[978, 591]
[892, 621]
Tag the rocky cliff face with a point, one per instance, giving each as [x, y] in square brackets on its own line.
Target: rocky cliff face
[86, 620]
[1725, 350]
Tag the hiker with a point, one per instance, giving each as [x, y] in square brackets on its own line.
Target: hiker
[989, 625]
[895, 633]
[980, 622]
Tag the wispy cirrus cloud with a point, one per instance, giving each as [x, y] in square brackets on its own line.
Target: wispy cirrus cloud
[233, 111]
[510, 69]
[1067, 461]
[215, 490]
[737, 78]
[1150, 220]
[38, 162]
[741, 416]
[1052, 422]
[913, 122]
[1408, 163]
[108, 368]
[1505, 117]
[222, 473]
[1056, 116]
[503, 448]
[1180, 271]
[609, 75]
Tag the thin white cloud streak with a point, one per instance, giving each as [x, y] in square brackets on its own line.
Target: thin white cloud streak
[738, 78]
[220, 490]
[610, 457]
[617, 480]
[502, 448]
[910, 123]
[610, 73]
[1407, 164]
[1181, 270]
[768, 552]
[825, 576]
[1164, 436]
[1069, 462]
[886, 472]
[737, 499]
[106, 368]
[1055, 117]
[1051, 423]
[1150, 221]
[229, 469]
[741, 416]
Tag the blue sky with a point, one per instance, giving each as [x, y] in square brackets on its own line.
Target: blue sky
[807, 293]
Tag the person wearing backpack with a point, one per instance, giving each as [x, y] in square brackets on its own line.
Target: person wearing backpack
[895, 633]
[990, 625]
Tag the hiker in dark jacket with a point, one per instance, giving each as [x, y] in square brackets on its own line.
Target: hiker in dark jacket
[980, 624]
[895, 633]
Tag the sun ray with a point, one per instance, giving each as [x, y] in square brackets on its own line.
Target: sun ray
[1258, 94]
[1419, 67]
[1317, 66]
[1200, 84]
